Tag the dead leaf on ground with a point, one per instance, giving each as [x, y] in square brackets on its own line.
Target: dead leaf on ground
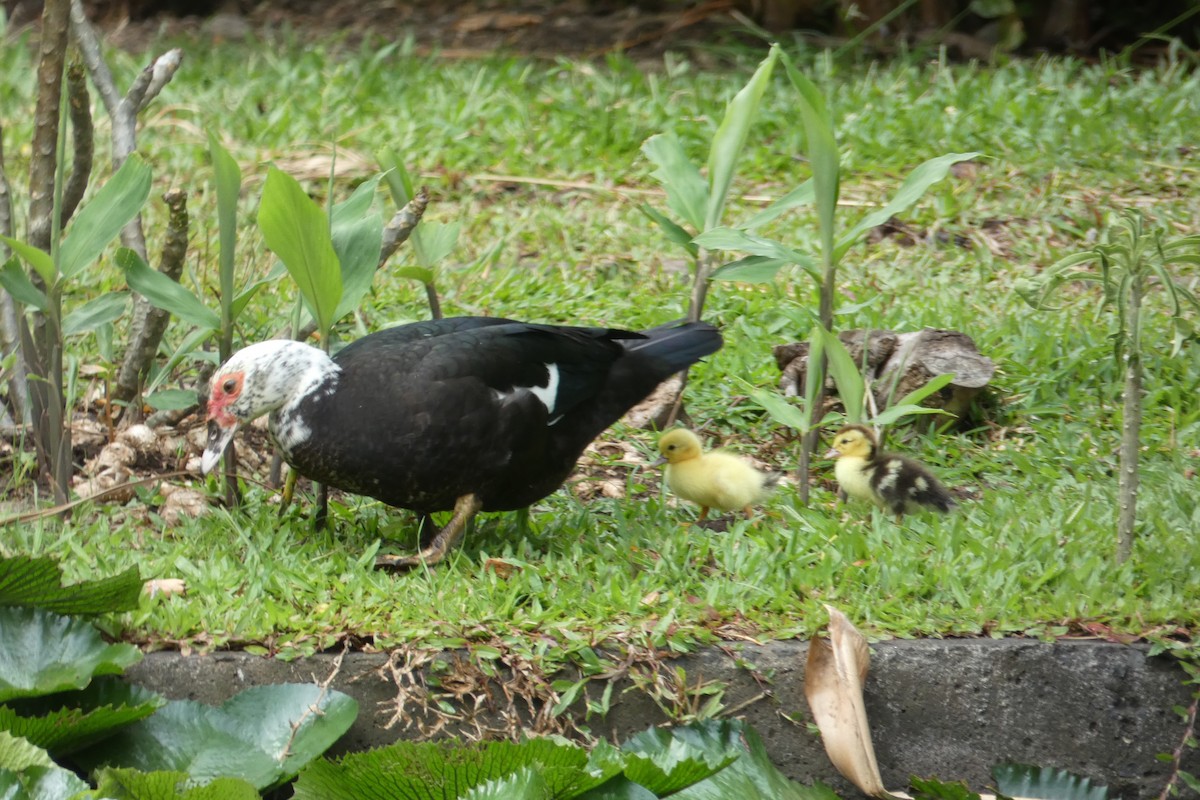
[833, 684]
[167, 587]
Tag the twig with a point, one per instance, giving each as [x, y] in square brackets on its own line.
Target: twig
[29, 516]
[1177, 757]
[315, 708]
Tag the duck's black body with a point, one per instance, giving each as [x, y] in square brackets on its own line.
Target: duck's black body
[422, 414]
[469, 413]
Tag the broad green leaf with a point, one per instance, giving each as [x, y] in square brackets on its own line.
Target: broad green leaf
[42, 652]
[357, 244]
[524, 784]
[757, 269]
[421, 274]
[664, 764]
[730, 138]
[132, 784]
[1045, 783]
[190, 344]
[228, 179]
[263, 735]
[433, 241]
[99, 221]
[901, 410]
[19, 754]
[673, 230]
[779, 409]
[297, 230]
[37, 581]
[172, 399]
[39, 259]
[912, 190]
[43, 783]
[96, 312]
[164, 293]
[67, 721]
[802, 195]
[814, 376]
[243, 297]
[822, 156]
[687, 191]
[358, 204]
[399, 182]
[357, 239]
[737, 240]
[921, 392]
[852, 389]
[16, 282]
[750, 775]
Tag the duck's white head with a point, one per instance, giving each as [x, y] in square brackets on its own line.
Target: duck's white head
[257, 380]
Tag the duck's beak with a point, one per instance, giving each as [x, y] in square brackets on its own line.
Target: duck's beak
[219, 437]
[658, 462]
[833, 453]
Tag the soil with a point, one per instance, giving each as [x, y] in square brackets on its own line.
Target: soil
[453, 29]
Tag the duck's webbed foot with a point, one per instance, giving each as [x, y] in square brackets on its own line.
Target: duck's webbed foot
[465, 509]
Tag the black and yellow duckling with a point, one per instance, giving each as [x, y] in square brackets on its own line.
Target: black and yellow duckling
[716, 479]
[893, 482]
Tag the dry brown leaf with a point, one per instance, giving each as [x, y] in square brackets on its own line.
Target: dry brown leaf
[167, 587]
[833, 684]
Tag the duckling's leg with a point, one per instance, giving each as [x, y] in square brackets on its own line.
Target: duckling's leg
[465, 509]
[749, 512]
[703, 514]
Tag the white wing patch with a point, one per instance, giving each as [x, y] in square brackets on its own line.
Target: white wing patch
[548, 394]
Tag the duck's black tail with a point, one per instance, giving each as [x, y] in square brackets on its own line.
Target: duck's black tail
[675, 345]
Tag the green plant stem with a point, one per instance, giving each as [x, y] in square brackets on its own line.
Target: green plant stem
[1127, 485]
[705, 263]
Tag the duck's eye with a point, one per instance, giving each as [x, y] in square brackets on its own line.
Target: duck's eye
[229, 386]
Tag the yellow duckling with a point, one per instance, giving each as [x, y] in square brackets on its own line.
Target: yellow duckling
[711, 480]
[891, 481]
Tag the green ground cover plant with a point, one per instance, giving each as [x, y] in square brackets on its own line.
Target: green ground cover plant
[540, 165]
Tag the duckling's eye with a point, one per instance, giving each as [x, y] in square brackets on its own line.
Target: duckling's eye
[229, 386]
[670, 447]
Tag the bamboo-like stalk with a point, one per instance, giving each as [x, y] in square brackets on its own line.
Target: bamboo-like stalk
[1131, 424]
[82, 137]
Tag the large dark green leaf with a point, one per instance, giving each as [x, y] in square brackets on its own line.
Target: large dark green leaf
[297, 230]
[42, 652]
[165, 293]
[30, 581]
[665, 763]
[100, 220]
[751, 775]
[132, 784]
[252, 736]
[1045, 783]
[68, 721]
[524, 784]
[27, 773]
[442, 770]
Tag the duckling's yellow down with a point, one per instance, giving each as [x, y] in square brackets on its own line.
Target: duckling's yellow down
[717, 480]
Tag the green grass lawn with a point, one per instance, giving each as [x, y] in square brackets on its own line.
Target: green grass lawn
[1066, 144]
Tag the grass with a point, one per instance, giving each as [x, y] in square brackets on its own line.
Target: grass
[1066, 143]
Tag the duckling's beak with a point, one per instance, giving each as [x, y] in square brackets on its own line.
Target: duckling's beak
[832, 453]
[658, 462]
